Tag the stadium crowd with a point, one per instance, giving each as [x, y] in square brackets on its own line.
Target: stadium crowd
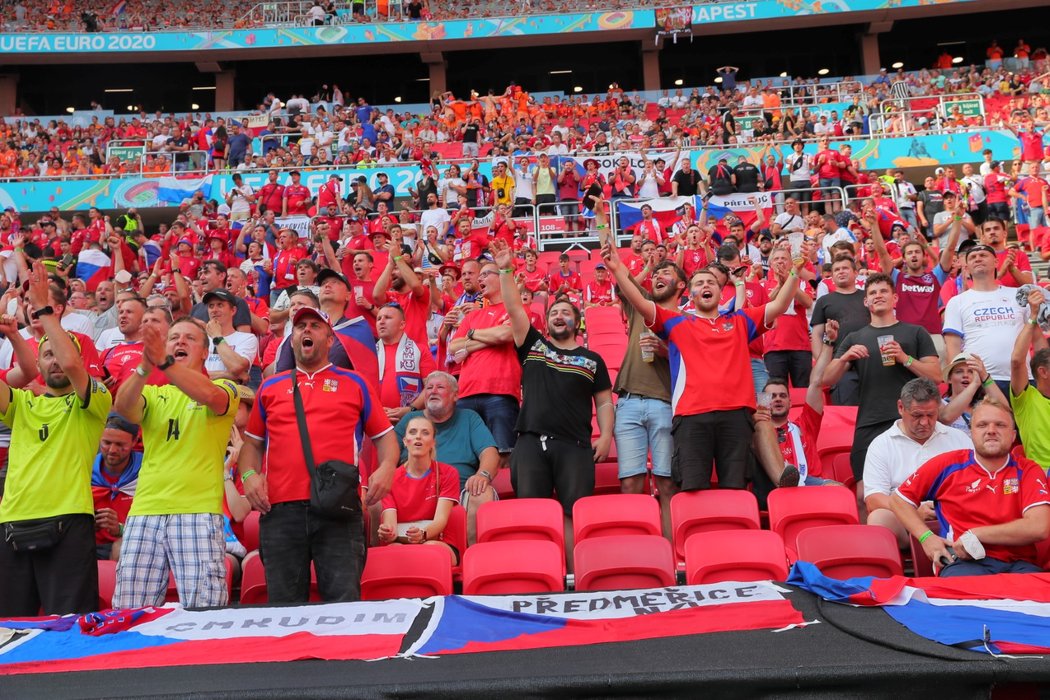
[332, 128]
[425, 353]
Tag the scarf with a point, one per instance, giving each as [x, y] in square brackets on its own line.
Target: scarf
[795, 435]
[408, 356]
[126, 482]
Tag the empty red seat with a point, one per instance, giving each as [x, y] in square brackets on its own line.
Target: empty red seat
[735, 555]
[615, 514]
[250, 526]
[502, 484]
[522, 519]
[623, 561]
[836, 465]
[793, 510]
[844, 551]
[406, 571]
[253, 580]
[107, 583]
[523, 566]
[607, 477]
[705, 511]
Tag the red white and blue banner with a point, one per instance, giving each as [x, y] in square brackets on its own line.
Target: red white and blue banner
[172, 636]
[996, 614]
[669, 210]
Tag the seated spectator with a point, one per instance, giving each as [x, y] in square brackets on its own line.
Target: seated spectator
[411, 515]
[402, 364]
[462, 441]
[114, 476]
[968, 384]
[995, 507]
[894, 455]
[232, 352]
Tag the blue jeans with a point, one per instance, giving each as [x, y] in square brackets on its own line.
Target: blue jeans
[643, 425]
[988, 565]
[290, 537]
[500, 415]
[1036, 217]
[759, 374]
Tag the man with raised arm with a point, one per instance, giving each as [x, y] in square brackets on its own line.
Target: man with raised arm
[175, 522]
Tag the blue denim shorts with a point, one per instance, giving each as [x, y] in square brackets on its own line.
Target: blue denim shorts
[500, 415]
[643, 426]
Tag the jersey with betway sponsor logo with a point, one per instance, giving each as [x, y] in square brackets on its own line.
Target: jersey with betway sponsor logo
[919, 297]
[988, 323]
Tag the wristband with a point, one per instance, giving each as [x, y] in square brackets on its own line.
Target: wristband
[1032, 322]
[601, 226]
[245, 475]
[506, 270]
[925, 536]
[121, 526]
[910, 362]
[988, 382]
[792, 273]
[396, 258]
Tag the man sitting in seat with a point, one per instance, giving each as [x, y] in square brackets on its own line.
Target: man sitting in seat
[995, 507]
[462, 440]
[895, 454]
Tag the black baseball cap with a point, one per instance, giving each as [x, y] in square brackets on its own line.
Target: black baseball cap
[327, 274]
[980, 247]
[222, 294]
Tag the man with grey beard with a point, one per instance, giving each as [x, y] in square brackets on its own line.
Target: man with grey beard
[463, 441]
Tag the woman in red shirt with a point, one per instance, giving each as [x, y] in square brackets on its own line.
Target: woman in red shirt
[417, 508]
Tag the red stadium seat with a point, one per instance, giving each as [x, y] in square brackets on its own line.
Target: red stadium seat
[251, 531]
[604, 319]
[837, 428]
[615, 514]
[795, 509]
[607, 476]
[107, 583]
[406, 572]
[705, 511]
[844, 551]
[502, 485]
[522, 519]
[837, 466]
[625, 561]
[735, 555]
[253, 580]
[525, 566]
[456, 535]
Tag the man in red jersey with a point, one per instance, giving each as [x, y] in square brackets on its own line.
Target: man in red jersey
[600, 291]
[400, 284]
[271, 195]
[712, 390]
[788, 352]
[296, 197]
[995, 507]
[341, 409]
[120, 360]
[490, 374]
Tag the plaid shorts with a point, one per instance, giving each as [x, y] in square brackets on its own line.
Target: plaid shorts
[192, 546]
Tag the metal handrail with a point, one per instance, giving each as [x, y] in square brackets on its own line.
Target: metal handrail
[900, 106]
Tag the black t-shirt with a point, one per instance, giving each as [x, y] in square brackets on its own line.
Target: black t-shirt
[746, 177]
[847, 309]
[687, 182]
[558, 387]
[932, 204]
[880, 387]
[470, 133]
[719, 177]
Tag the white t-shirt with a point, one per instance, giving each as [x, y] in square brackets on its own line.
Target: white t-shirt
[78, 323]
[438, 218]
[239, 203]
[109, 338]
[988, 323]
[943, 216]
[244, 344]
[798, 167]
[893, 456]
[790, 223]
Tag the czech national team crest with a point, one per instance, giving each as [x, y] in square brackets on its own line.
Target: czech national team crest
[330, 385]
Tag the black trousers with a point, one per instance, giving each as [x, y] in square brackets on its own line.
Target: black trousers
[59, 580]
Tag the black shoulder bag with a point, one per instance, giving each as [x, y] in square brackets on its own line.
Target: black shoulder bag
[334, 485]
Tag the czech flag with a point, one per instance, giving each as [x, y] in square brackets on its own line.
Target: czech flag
[173, 190]
[94, 267]
[995, 614]
[666, 210]
[119, 8]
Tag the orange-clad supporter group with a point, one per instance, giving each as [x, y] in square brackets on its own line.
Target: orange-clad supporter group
[220, 407]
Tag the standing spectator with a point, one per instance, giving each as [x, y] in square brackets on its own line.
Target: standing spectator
[490, 373]
[883, 366]
[297, 197]
[976, 197]
[687, 182]
[1031, 404]
[560, 383]
[994, 507]
[232, 352]
[402, 364]
[713, 395]
[953, 215]
[788, 352]
[400, 284]
[213, 278]
[340, 409]
[910, 442]
[929, 204]
[240, 199]
[176, 521]
[1015, 269]
[829, 164]
[721, 179]
[120, 360]
[746, 176]
[54, 438]
[985, 319]
[844, 305]
[800, 172]
[995, 185]
[239, 145]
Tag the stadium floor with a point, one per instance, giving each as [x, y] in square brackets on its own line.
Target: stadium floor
[852, 652]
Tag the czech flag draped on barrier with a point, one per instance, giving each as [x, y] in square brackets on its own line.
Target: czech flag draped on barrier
[1001, 613]
[172, 190]
[668, 210]
[172, 636]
